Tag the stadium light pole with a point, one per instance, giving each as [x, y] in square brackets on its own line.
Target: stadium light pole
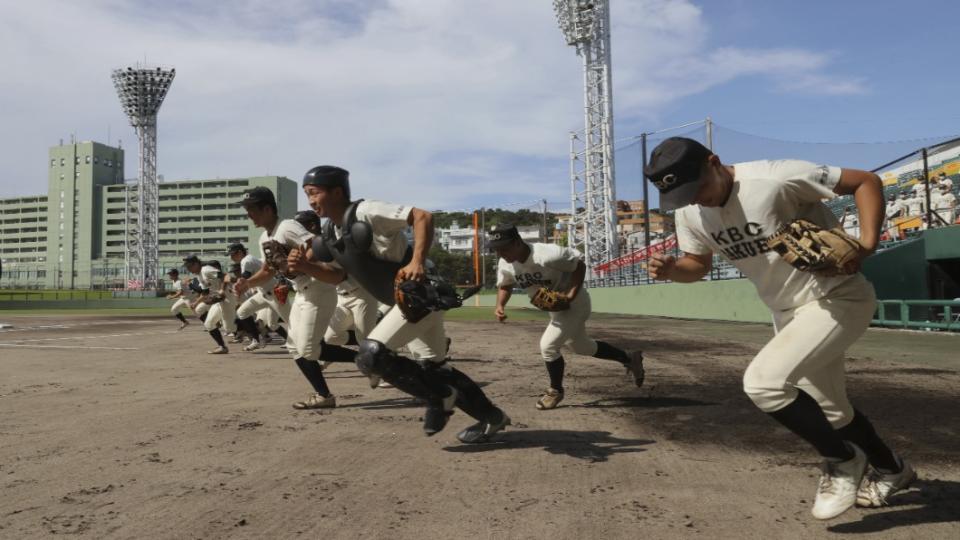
[141, 90]
[586, 25]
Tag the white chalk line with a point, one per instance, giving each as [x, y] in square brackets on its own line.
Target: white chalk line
[74, 347]
[88, 337]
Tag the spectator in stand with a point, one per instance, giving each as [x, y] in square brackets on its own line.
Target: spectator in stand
[918, 188]
[945, 203]
[894, 209]
[904, 207]
[945, 180]
[915, 205]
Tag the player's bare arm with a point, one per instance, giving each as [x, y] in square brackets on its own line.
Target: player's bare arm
[576, 280]
[422, 222]
[687, 269]
[299, 261]
[867, 191]
[264, 274]
[503, 296]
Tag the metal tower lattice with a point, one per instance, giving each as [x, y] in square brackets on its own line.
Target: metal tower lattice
[141, 90]
[586, 26]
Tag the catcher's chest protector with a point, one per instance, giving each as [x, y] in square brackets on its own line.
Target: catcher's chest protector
[352, 252]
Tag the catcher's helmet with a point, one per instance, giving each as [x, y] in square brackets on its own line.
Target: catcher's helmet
[328, 176]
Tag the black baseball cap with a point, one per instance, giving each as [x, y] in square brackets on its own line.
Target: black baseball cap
[502, 235]
[258, 196]
[173, 271]
[674, 168]
[308, 218]
[234, 248]
[191, 259]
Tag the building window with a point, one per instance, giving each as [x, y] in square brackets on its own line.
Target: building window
[62, 162]
[96, 160]
[53, 162]
[76, 160]
[87, 159]
[76, 174]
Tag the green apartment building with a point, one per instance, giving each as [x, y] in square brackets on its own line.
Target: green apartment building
[74, 236]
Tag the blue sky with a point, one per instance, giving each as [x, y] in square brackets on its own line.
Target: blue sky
[456, 105]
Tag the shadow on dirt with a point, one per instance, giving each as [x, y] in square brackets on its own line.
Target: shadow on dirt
[938, 502]
[591, 446]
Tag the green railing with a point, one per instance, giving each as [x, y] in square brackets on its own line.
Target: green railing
[919, 314]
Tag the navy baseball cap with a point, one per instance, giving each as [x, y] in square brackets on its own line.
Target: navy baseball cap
[502, 235]
[234, 248]
[258, 196]
[191, 259]
[674, 168]
[173, 271]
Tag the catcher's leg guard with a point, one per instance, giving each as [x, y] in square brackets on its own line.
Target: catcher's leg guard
[335, 353]
[470, 397]
[374, 358]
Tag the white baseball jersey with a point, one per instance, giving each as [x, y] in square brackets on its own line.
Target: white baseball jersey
[915, 205]
[892, 208]
[548, 265]
[250, 265]
[766, 196]
[210, 278]
[292, 234]
[944, 201]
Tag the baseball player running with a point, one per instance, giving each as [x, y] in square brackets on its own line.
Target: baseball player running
[180, 294]
[262, 299]
[214, 293]
[367, 239]
[356, 311]
[798, 377]
[316, 297]
[555, 273]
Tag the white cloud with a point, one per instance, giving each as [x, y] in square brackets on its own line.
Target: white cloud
[434, 102]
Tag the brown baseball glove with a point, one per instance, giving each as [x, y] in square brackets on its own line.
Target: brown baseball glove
[414, 298]
[808, 247]
[213, 298]
[275, 257]
[548, 300]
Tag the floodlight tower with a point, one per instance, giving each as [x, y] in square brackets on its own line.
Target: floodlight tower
[586, 26]
[141, 90]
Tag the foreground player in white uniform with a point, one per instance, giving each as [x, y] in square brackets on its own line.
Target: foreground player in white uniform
[535, 265]
[367, 239]
[180, 294]
[798, 377]
[315, 300]
[212, 282]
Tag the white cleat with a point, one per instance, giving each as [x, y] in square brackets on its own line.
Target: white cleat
[254, 345]
[374, 381]
[219, 350]
[183, 325]
[877, 487]
[838, 487]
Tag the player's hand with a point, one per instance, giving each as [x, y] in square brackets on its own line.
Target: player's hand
[297, 259]
[500, 314]
[241, 286]
[413, 271]
[661, 266]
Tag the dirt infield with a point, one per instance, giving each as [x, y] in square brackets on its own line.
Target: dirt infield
[125, 428]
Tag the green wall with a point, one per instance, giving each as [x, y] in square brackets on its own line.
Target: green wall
[732, 300]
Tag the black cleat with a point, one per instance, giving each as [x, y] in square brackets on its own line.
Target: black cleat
[438, 413]
[482, 432]
[635, 367]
